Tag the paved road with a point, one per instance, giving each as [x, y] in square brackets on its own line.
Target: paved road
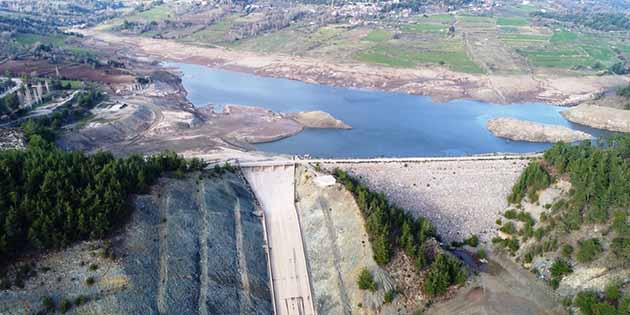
[299, 161]
[275, 190]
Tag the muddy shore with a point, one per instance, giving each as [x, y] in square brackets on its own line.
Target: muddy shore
[441, 84]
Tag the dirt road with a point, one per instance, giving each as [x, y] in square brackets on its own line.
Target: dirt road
[502, 287]
[275, 190]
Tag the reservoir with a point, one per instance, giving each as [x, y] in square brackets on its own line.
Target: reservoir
[384, 123]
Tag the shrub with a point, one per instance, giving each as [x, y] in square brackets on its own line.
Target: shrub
[510, 214]
[389, 296]
[567, 251]
[481, 254]
[65, 306]
[508, 228]
[89, 281]
[585, 301]
[554, 283]
[624, 91]
[621, 247]
[620, 224]
[612, 292]
[560, 268]
[550, 245]
[93, 267]
[588, 250]
[80, 300]
[604, 308]
[48, 303]
[539, 233]
[472, 241]
[624, 304]
[366, 280]
[512, 245]
[527, 231]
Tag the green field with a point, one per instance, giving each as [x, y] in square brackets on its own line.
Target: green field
[378, 35]
[512, 21]
[563, 36]
[31, 39]
[451, 54]
[157, 13]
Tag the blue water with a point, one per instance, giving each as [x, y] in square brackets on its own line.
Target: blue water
[384, 124]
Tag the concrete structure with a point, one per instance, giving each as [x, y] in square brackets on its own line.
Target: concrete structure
[274, 187]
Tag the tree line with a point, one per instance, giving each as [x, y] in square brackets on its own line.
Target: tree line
[51, 198]
[390, 229]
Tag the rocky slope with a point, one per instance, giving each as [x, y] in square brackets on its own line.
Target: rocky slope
[194, 246]
[523, 130]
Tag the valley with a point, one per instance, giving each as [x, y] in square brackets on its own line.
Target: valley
[314, 157]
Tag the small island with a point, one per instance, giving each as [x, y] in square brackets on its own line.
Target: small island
[318, 119]
[523, 130]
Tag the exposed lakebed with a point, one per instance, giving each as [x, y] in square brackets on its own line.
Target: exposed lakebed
[383, 123]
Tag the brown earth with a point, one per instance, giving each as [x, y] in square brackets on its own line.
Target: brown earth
[72, 71]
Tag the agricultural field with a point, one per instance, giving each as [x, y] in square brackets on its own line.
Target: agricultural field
[510, 41]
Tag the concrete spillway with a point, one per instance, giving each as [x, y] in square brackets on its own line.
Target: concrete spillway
[274, 188]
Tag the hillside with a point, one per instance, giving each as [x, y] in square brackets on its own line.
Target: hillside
[568, 222]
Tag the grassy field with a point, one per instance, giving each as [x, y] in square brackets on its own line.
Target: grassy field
[157, 13]
[512, 21]
[378, 35]
[396, 54]
[30, 39]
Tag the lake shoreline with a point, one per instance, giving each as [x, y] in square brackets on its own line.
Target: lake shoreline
[383, 123]
[439, 83]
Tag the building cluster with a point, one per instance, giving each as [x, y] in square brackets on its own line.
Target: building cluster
[32, 95]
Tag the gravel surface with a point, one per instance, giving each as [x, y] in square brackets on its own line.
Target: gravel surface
[460, 197]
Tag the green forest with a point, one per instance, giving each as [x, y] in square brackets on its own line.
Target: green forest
[391, 228]
[51, 198]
